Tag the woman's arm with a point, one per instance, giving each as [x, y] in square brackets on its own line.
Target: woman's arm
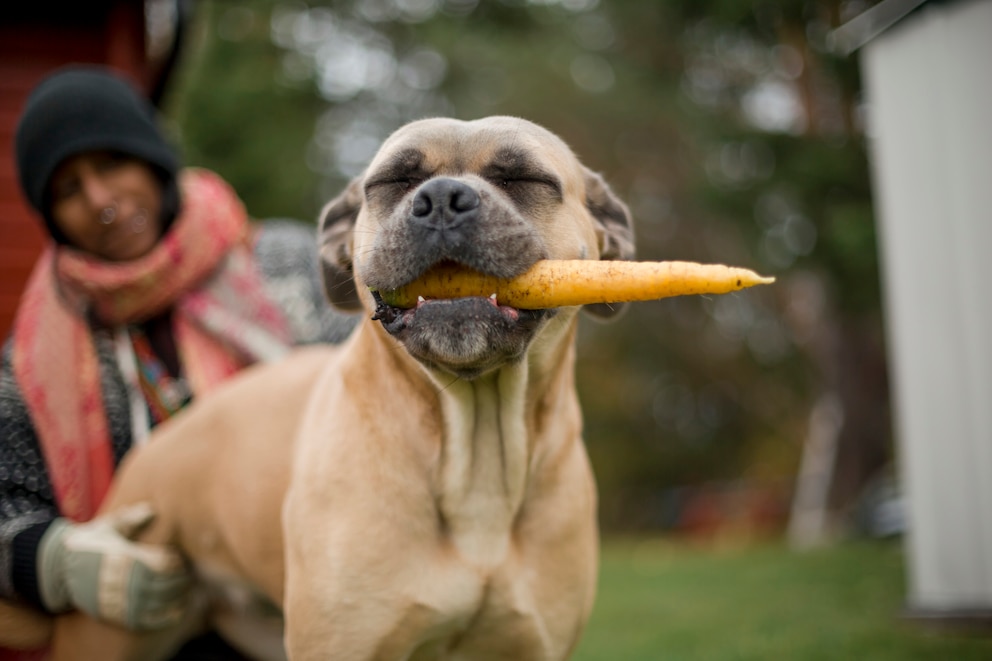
[27, 504]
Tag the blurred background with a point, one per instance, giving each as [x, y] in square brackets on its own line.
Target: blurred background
[731, 131]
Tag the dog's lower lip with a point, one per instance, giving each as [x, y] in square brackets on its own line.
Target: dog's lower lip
[508, 311]
[381, 303]
[396, 320]
[386, 312]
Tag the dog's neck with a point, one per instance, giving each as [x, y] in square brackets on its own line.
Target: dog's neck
[495, 431]
[482, 473]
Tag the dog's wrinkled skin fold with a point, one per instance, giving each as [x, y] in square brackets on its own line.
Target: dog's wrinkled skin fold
[436, 499]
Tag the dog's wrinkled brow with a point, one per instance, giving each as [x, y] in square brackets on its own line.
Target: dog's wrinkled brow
[516, 163]
[403, 164]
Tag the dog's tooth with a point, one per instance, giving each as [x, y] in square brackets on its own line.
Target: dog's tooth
[421, 300]
[492, 297]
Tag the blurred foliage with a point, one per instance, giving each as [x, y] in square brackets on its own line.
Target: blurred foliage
[235, 116]
[727, 126]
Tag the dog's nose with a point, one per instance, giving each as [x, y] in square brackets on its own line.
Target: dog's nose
[445, 203]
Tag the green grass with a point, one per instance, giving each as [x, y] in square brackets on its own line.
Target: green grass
[662, 601]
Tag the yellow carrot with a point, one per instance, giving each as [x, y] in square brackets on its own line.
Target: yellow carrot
[558, 283]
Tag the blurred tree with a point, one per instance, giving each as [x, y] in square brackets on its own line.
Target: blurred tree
[789, 113]
[727, 126]
[236, 111]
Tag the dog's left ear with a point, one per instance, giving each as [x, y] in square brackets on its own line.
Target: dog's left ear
[337, 223]
[614, 231]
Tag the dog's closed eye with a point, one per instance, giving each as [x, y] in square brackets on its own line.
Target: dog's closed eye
[399, 175]
[388, 191]
[528, 192]
[516, 173]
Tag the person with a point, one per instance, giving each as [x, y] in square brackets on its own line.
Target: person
[154, 289]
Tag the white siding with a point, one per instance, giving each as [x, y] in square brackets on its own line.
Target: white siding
[929, 87]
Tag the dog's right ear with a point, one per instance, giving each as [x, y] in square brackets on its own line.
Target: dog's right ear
[337, 224]
[614, 231]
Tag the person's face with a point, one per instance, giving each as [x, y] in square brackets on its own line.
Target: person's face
[107, 204]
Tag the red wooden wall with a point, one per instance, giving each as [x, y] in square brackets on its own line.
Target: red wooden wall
[36, 37]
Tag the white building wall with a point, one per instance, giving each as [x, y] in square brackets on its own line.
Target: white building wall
[929, 86]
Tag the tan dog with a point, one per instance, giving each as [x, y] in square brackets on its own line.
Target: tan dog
[434, 493]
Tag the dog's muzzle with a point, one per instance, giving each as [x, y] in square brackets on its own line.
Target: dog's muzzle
[449, 221]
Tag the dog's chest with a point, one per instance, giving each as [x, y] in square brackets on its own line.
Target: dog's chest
[496, 618]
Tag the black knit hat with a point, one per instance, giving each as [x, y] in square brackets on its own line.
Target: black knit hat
[79, 109]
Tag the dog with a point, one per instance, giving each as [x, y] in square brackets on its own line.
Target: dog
[421, 491]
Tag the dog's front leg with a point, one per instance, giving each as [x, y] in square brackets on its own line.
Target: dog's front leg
[315, 633]
[359, 599]
[365, 580]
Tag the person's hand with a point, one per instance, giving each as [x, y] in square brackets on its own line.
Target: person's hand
[96, 568]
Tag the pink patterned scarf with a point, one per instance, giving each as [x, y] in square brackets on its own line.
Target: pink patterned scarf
[202, 268]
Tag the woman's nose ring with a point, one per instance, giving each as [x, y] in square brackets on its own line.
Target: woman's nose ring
[108, 215]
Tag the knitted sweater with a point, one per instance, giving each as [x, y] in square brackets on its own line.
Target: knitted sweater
[286, 255]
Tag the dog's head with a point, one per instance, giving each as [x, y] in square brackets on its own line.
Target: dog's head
[493, 195]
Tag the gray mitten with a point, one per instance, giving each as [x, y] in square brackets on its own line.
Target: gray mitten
[96, 568]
